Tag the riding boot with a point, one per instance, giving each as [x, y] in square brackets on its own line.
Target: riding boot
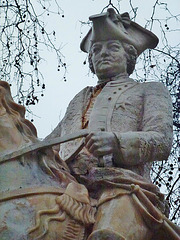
[105, 234]
[119, 219]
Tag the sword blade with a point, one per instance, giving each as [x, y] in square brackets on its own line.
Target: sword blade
[8, 155]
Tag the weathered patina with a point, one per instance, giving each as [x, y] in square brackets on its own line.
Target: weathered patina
[99, 187]
[130, 126]
[39, 198]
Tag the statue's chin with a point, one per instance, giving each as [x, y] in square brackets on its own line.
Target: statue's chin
[105, 74]
[106, 70]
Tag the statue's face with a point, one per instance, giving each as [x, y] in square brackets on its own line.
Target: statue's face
[108, 58]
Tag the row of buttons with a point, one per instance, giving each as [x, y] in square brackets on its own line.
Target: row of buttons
[109, 98]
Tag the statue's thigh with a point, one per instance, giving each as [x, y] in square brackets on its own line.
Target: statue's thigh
[120, 215]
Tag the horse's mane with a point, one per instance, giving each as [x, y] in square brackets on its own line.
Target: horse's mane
[16, 112]
[12, 122]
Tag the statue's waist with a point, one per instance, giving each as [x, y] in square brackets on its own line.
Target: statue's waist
[84, 163]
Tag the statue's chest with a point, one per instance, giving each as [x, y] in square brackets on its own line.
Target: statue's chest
[118, 107]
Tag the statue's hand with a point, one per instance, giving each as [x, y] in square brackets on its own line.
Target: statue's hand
[101, 143]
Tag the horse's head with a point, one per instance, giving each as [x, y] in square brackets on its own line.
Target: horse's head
[15, 130]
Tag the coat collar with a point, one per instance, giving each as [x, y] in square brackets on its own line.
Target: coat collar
[121, 78]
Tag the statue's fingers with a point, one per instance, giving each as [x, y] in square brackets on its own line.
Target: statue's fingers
[91, 139]
[95, 136]
[88, 138]
[102, 151]
[93, 147]
[89, 143]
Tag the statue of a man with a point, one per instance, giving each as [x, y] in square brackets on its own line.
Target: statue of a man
[130, 126]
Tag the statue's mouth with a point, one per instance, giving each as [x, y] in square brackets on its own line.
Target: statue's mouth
[104, 61]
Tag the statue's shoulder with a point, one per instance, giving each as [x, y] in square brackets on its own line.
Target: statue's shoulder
[73, 111]
[81, 96]
[155, 88]
[84, 91]
[154, 84]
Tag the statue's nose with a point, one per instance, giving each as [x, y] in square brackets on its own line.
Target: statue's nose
[104, 51]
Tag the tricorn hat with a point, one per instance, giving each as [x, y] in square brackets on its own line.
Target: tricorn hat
[112, 26]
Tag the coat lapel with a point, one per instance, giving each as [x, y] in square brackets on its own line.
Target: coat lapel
[101, 115]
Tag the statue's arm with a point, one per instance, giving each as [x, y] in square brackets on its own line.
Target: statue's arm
[154, 141]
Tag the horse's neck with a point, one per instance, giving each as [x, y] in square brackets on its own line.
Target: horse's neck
[11, 136]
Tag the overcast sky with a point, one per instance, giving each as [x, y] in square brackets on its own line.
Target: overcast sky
[52, 106]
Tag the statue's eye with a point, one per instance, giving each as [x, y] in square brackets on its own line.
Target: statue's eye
[114, 47]
[96, 49]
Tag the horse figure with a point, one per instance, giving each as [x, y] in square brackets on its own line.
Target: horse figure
[39, 199]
